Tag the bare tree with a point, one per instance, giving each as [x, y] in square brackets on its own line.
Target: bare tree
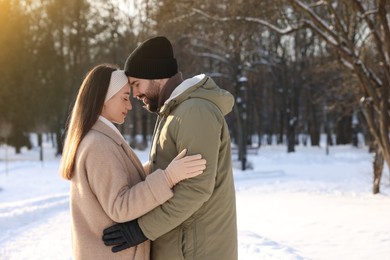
[348, 27]
[15, 63]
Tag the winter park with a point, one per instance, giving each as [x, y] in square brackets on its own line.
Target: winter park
[286, 101]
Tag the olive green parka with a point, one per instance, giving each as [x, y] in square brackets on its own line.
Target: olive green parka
[199, 222]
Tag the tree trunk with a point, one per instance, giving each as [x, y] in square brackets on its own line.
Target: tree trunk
[381, 140]
[40, 144]
[280, 133]
[59, 140]
[144, 126]
[291, 122]
[291, 139]
[239, 137]
[344, 130]
[378, 169]
[314, 135]
[133, 129]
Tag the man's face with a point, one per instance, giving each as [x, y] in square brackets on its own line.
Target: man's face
[147, 91]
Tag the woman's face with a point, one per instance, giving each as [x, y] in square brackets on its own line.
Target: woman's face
[115, 109]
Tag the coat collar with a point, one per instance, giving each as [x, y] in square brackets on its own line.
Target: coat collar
[106, 130]
[169, 87]
[182, 93]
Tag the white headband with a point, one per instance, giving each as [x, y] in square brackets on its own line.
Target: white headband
[118, 80]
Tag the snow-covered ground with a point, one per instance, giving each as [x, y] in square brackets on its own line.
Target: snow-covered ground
[303, 205]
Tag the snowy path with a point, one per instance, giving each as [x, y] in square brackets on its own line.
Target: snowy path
[41, 230]
[303, 206]
[23, 214]
[47, 238]
[34, 212]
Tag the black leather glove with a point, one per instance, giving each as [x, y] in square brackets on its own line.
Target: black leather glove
[123, 236]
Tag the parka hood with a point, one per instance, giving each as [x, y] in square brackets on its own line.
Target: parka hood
[200, 86]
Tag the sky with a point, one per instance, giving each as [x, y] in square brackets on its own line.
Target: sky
[302, 205]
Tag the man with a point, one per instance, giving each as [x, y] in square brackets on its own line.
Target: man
[199, 222]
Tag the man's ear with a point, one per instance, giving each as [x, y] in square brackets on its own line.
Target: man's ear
[161, 82]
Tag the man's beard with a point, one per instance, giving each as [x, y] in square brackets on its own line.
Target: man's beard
[152, 95]
[151, 107]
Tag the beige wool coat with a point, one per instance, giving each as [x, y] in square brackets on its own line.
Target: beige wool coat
[110, 185]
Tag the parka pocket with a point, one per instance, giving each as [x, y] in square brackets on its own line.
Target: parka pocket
[187, 242]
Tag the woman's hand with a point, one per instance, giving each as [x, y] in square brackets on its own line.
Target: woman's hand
[184, 167]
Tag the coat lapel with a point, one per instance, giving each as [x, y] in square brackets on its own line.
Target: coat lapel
[106, 130]
[134, 158]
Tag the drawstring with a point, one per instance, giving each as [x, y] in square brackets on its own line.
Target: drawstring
[156, 127]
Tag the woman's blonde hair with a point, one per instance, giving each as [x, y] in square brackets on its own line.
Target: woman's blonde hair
[86, 110]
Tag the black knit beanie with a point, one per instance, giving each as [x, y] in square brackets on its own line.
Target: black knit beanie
[153, 59]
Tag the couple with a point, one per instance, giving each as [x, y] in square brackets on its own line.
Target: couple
[172, 207]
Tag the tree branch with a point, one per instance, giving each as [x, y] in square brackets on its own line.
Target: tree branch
[248, 19]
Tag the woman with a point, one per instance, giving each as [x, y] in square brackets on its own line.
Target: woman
[108, 182]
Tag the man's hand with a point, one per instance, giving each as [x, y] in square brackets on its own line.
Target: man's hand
[123, 236]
